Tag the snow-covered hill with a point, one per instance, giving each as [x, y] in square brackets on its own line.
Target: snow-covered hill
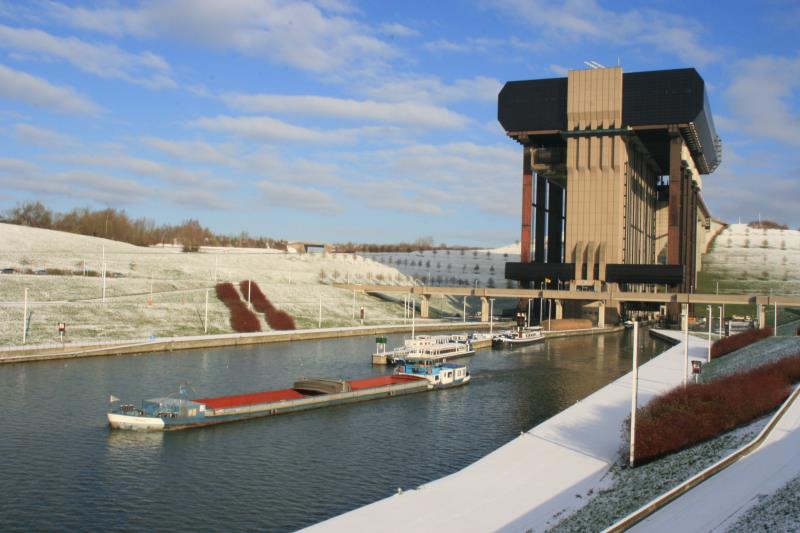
[756, 259]
[297, 283]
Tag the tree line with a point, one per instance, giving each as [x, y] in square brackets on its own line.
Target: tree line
[117, 225]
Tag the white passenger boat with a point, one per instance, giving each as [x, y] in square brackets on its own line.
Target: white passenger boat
[439, 375]
[519, 336]
[437, 348]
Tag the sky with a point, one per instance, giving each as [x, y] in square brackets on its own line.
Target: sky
[338, 120]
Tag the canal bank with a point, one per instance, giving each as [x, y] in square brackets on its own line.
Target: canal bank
[22, 354]
[545, 472]
[335, 460]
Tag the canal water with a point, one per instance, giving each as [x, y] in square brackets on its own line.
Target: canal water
[61, 468]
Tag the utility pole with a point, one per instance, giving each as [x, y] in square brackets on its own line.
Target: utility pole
[685, 327]
[205, 323]
[491, 315]
[25, 318]
[709, 334]
[103, 269]
[634, 388]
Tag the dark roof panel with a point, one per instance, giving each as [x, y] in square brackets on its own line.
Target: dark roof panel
[654, 98]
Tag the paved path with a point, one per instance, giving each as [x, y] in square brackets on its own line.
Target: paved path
[717, 503]
[521, 485]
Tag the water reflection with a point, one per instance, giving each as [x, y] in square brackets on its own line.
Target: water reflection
[68, 471]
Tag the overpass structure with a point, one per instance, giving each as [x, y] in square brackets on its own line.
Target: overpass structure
[601, 299]
[611, 178]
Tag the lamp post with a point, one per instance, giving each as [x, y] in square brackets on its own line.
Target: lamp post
[528, 320]
[775, 321]
[708, 360]
[720, 320]
[491, 315]
[685, 327]
[634, 388]
[549, 313]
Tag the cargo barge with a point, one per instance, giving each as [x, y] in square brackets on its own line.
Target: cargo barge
[173, 413]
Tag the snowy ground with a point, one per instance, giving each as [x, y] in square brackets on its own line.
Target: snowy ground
[720, 501]
[756, 260]
[629, 489]
[298, 283]
[544, 473]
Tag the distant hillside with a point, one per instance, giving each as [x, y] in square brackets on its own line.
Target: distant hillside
[755, 260]
[51, 265]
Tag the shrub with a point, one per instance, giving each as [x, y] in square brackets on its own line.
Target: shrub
[740, 340]
[243, 320]
[683, 417]
[276, 318]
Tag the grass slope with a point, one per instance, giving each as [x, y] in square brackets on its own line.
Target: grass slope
[295, 283]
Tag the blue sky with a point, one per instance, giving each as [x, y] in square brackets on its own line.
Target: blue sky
[365, 121]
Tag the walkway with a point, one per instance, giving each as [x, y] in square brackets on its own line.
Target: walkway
[523, 484]
[719, 502]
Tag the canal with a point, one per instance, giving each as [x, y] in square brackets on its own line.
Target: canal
[61, 468]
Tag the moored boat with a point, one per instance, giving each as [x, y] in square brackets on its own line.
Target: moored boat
[439, 375]
[172, 413]
[520, 336]
[438, 348]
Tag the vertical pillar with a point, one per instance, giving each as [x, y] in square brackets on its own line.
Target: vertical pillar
[675, 213]
[541, 200]
[601, 315]
[762, 316]
[555, 219]
[484, 309]
[527, 204]
[559, 310]
[424, 305]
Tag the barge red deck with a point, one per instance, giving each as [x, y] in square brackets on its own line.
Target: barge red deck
[254, 398]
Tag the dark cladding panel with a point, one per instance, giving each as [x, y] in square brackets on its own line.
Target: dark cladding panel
[660, 274]
[662, 97]
[539, 271]
[616, 273]
[533, 105]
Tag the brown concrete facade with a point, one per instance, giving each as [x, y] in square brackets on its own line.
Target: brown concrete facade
[611, 187]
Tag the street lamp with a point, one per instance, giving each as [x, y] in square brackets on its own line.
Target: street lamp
[491, 315]
[709, 334]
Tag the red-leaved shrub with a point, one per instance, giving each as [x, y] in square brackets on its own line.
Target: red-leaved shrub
[682, 417]
[730, 344]
[276, 318]
[243, 320]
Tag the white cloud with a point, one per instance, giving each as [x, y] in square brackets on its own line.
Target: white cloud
[287, 196]
[268, 129]
[148, 168]
[398, 30]
[82, 186]
[405, 113]
[433, 90]
[23, 87]
[294, 33]
[17, 167]
[105, 61]
[443, 45]
[42, 137]
[763, 96]
[193, 151]
[575, 20]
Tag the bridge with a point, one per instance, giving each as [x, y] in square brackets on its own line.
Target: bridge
[600, 298]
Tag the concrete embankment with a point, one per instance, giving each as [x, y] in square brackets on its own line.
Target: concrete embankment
[68, 351]
[540, 475]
